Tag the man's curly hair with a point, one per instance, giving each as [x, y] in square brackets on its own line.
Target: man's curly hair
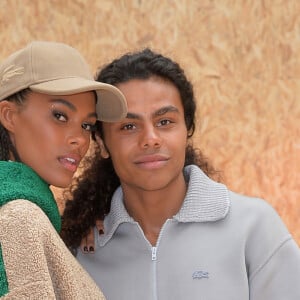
[90, 195]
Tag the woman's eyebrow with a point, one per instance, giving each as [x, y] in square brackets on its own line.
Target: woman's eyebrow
[70, 105]
[64, 102]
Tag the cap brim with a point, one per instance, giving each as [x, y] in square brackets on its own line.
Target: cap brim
[111, 104]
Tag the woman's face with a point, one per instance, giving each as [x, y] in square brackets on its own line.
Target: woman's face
[52, 133]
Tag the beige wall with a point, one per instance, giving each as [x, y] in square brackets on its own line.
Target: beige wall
[242, 56]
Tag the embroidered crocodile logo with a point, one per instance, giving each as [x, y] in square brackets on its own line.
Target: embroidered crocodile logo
[10, 72]
[200, 275]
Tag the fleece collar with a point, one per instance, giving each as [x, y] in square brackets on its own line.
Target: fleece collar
[205, 201]
[18, 181]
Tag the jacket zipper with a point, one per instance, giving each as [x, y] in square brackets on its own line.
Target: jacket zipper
[154, 249]
[154, 260]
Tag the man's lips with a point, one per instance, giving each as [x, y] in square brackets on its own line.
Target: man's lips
[151, 161]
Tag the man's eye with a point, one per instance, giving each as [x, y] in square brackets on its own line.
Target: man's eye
[164, 122]
[128, 127]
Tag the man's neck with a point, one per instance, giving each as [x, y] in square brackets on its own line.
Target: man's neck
[151, 209]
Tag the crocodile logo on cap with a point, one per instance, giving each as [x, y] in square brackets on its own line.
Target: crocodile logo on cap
[10, 72]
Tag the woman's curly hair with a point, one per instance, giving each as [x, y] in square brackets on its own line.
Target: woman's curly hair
[6, 146]
[90, 195]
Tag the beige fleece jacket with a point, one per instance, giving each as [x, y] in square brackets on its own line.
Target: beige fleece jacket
[38, 265]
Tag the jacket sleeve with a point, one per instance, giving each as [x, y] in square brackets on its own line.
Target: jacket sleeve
[273, 258]
[279, 277]
[37, 263]
[3, 279]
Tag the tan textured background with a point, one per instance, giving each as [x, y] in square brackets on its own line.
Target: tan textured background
[242, 56]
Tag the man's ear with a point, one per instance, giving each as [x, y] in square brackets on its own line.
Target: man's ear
[7, 112]
[103, 151]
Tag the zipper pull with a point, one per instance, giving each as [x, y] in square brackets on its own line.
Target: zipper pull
[154, 253]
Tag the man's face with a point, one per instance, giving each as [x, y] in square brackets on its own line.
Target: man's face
[148, 146]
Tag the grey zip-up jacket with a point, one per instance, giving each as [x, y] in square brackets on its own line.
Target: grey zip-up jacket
[220, 245]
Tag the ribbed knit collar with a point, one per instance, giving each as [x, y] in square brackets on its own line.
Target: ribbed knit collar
[18, 181]
[205, 201]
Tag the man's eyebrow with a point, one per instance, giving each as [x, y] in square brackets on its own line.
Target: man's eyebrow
[159, 112]
[70, 105]
[133, 116]
[165, 109]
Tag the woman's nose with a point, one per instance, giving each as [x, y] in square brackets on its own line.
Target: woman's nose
[79, 137]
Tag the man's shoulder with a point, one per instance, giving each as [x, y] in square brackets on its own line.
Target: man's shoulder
[256, 215]
[251, 204]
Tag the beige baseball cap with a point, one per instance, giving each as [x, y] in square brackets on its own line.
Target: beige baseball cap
[58, 69]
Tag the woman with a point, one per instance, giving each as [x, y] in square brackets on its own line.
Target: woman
[49, 104]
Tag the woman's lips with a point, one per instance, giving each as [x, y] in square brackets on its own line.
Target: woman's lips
[70, 162]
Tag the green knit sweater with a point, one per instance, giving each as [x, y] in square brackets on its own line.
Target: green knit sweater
[18, 181]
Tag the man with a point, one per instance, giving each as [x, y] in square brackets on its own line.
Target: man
[169, 230]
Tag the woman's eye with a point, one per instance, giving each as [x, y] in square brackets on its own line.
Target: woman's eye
[60, 116]
[89, 127]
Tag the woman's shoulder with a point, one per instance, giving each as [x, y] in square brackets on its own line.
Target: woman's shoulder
[23, 215]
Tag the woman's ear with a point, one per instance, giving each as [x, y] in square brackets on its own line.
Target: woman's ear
[7, 113]
[103, 151]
